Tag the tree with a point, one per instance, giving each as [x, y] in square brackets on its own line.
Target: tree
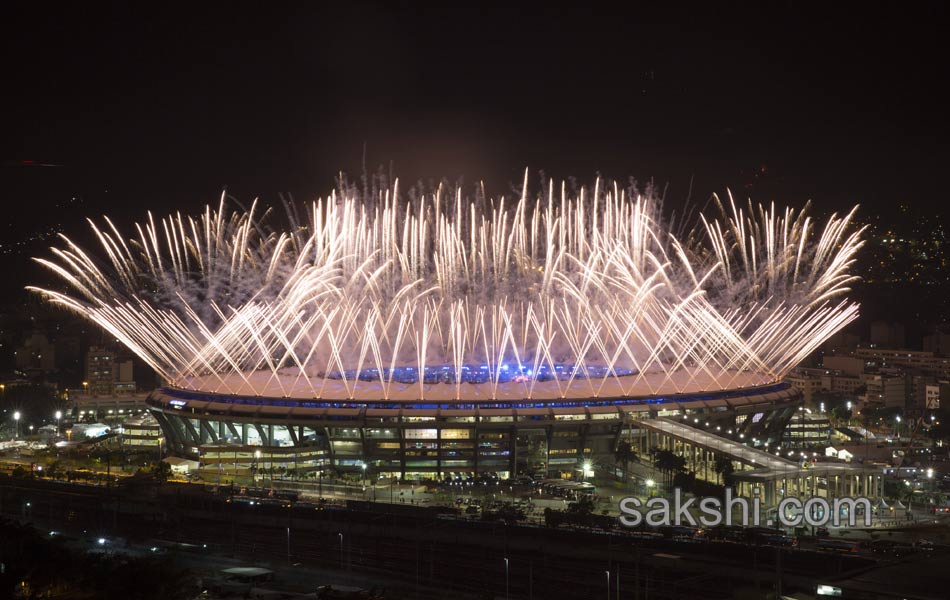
[685, 480]
[553, 518]
[508, 513]
[668, 463]
[724, 468]
[161, 471]
[625, 453]
[580, 511]
[55, 470]
[881, 414]
[836, 405]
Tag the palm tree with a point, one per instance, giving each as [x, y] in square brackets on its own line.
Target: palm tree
[724, 469]
[55, 470]
[625, 453]
[668, 463]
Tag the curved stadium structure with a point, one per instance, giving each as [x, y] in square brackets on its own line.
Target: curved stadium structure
[439, 335]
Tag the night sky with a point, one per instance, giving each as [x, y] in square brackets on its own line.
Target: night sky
[162, 107]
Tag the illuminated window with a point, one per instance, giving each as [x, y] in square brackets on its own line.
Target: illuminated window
[421, 434]
[456, 434]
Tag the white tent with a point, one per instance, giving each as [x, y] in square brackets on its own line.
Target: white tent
[180, 466]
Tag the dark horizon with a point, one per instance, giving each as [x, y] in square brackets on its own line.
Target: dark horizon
[122, 110]
[164, 110]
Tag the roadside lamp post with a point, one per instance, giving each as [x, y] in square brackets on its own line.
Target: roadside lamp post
[587, 469]
[506, 579]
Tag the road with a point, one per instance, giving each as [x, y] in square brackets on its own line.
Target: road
[417, 550]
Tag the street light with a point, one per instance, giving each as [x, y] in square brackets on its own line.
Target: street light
[608, 584]
[16, 424]
[506, 579]
[587, 469]
[59, 415]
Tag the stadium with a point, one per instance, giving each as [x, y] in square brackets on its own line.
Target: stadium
[433, 335]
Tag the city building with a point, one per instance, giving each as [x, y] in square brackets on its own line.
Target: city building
[807, 429]
[142, 432]
[881, 358]
[36, 355]
[811, 382]
[807, 382]
[111, 407]
[106, 375]
[932, 396]
[886, 390]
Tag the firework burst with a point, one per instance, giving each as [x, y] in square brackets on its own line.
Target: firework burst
[556, 295]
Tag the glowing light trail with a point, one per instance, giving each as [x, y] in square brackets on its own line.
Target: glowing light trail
[555, 296]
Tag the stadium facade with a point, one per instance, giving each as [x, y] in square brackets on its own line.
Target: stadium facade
[433, 440]
[436, 334]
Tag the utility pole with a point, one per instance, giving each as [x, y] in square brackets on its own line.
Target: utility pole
[531, 580]
[636, 576]
[778, 572]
